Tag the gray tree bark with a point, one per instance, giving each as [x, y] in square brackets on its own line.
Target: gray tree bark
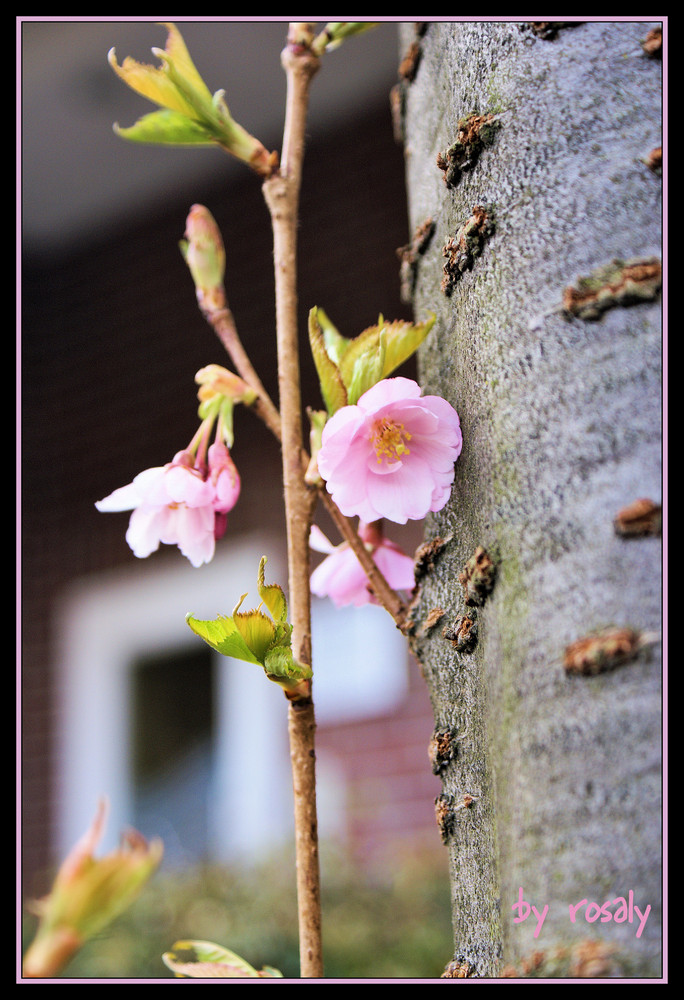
[550, 759]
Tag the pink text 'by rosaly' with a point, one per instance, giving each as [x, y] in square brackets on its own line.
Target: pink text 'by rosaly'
[620, 910]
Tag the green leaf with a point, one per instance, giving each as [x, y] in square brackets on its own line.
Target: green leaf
[332, 386]
[382, 349]
[256, 638]
[280, 664]
[191, 115]
[206, 960]
[365, 344]
[223, 636]
[167, 128]
[368, 369]
[335, 343]
[272, 595]
[257, 631]
[402, 340]
[226, 421]
[335, 33]
[189, 84]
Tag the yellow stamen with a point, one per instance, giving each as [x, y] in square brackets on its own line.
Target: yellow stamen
[389, 440]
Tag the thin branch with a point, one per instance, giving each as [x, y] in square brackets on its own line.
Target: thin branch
[223, 324]
[281, 193]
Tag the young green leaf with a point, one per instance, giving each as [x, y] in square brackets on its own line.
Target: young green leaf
[257, 631]
[223, 635]
[281, 666]
[335, 343]
[349, 367]
[382, 348]
[402, 340]
[256, 638]
[189, 114]
[335, 33]
[272, 595]
[206, 960]
[167, 128]
[332, 387]
[368, 369]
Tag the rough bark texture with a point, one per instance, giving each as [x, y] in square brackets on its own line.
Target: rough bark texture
[551, 781]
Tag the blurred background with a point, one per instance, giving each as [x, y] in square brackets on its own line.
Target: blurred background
[118, 697]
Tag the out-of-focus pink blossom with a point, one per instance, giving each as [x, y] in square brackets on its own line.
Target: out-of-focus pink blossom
[176, 504]
[341, 577]
[392, 454]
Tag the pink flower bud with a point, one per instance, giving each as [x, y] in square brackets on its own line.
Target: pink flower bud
[224, 477]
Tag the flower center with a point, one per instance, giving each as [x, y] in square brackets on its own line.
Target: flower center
[389, 440]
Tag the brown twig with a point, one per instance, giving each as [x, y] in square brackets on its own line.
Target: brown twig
[281, 193]
[223, 324]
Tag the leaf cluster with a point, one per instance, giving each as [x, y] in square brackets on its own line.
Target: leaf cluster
[257, 637]
[349, 367]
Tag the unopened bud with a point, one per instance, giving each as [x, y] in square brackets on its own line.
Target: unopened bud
[214, 380]
[224, 476]
[335, 33]
[205, 256]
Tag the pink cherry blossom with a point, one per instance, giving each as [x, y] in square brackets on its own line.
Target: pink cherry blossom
[392, 454]
[175, 504]
[224, 477]
[341, 577]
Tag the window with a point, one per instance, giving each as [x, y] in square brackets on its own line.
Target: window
[185, 743]
[172, 728]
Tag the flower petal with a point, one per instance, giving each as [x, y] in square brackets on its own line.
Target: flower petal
[341, 578]
[194, 527]
[395, 566]
[125, 498]
[187, 486]
[389, 390]
[318, 541]
[405, 495]
[145, 528]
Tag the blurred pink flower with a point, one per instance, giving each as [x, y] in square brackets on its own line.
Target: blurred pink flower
[392, 454]
[341, 576]
[176, 504]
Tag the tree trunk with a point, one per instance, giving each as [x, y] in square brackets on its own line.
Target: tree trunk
[550, 756]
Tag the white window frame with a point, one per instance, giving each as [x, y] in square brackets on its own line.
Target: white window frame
[108, 622]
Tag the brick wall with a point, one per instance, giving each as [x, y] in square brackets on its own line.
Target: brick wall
[390, 786]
